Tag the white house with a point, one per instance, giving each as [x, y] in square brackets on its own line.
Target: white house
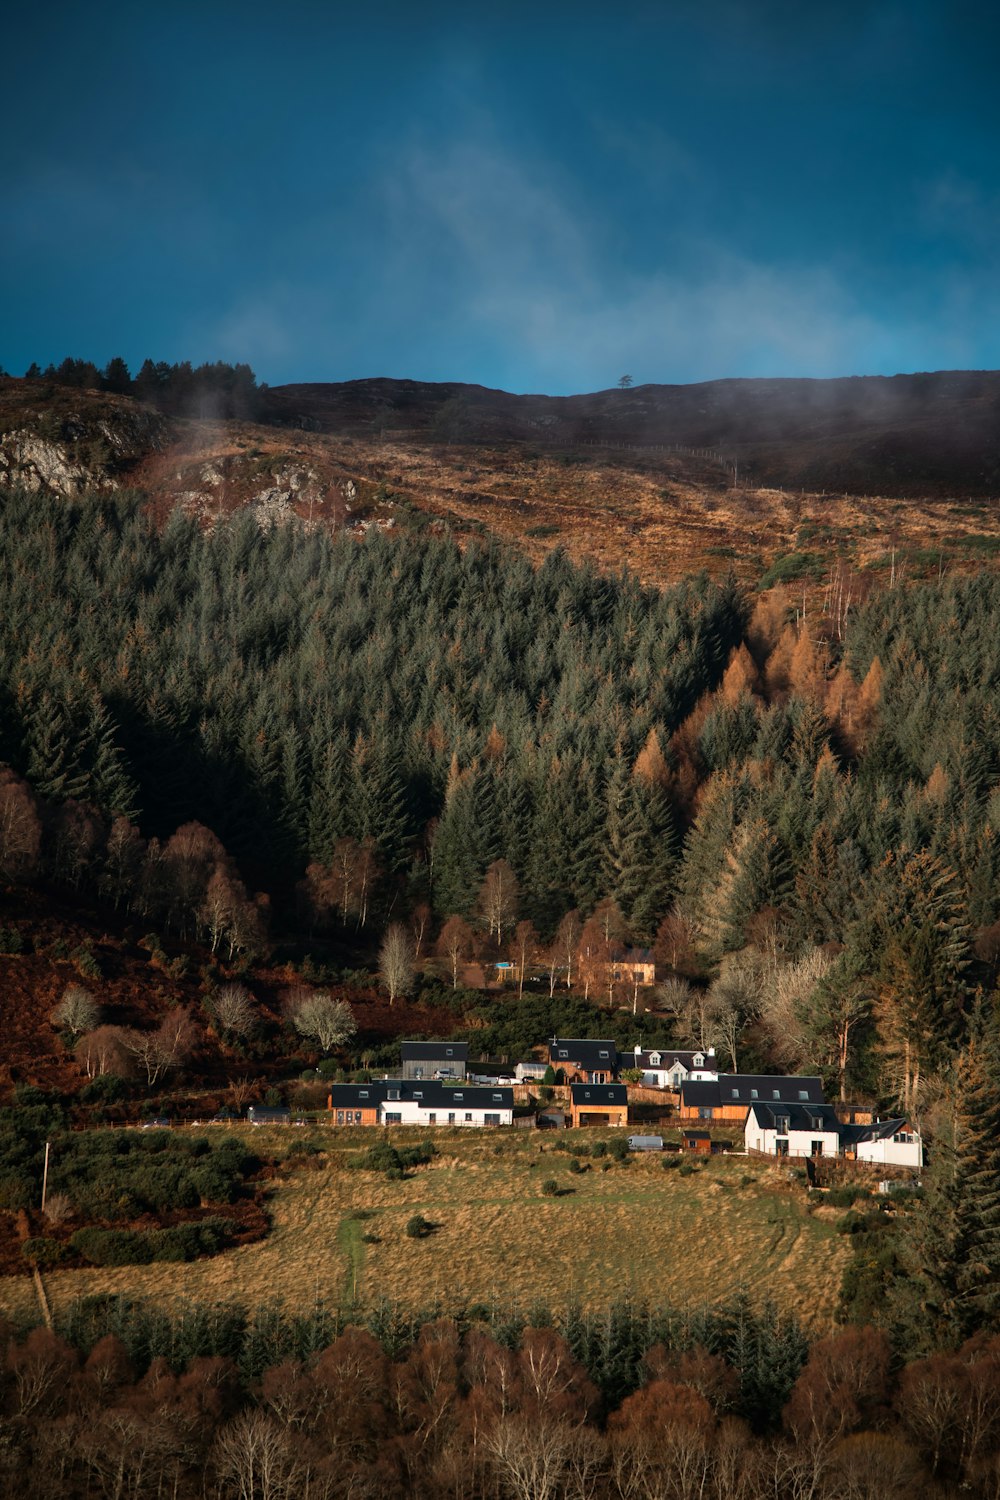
[411, 1103]
[888, 1143]
[668, 1068]
[793, 1130]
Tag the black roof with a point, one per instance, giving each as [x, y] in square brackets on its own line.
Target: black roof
[450, 1051]
[668, 1056]
[268, 1112]
[432, 1095]
[447, 1096]
[751, 1088]
[583, 1053]
[881, 1130]
[358, 1095]
[599, 1093]
[799, 1116]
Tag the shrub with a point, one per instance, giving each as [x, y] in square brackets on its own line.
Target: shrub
[550, 1188]
[11, 940]
[106, 1088]
[113, 1247]
[15, 1191]
[618, 1148]
[686, 1168]
[843, 1197]
[578, 1166]
[43, 1251]
[417, 1228]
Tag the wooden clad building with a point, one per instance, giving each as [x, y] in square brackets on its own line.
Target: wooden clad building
[598, 1104]
[732, 1094]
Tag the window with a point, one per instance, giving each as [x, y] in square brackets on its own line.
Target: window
[449, 1052]
[804, 1095]
[903, 1139]
[815, 1148]
[432, 1118]
[340, 1117]
[491, 1119]
[781, 1124]
[418, 1093]
[775, 1093]
[654, 1059]
[698, 1060]
[468, 1118]
[735, 1093]
[394, 1093]
[418, 1072]
[451, 1119]
[362, 1093]
[393, 1117]
[753, 1093]
[458, 1097]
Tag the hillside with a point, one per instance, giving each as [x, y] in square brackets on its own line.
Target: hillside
[822, 479]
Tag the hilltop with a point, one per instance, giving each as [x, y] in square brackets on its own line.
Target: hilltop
[775, 480]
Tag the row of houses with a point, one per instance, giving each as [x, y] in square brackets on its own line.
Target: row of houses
[402, 1101]
[781, 1116]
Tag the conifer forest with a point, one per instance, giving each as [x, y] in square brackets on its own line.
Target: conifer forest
[250, 739]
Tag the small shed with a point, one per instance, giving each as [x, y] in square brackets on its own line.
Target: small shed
[698, 1141]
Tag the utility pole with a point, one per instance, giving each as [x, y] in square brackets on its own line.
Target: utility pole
[45, 1175]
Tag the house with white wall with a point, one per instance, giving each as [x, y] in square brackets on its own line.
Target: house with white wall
[792, 1129]
[402, 1101]
[886, 1143]
[666, 1068]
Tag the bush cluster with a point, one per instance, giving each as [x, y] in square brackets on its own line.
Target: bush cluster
[135, 1247]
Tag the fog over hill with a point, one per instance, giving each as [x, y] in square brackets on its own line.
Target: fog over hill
[904, 435]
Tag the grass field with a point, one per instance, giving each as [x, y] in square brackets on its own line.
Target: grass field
[630, 1228]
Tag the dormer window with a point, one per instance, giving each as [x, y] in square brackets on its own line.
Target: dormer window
[394, 1093]
[654, 1058]
[775, 1093]
[735, 1093]
[804, 1095]
[459, 1096]
[698, 1060]
[753, 1094]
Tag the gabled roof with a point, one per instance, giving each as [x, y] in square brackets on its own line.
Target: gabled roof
[668, 1056]
[464, 1096]
[358, 1095]
[443, 1051]
[599, 1093]
[429, 1094]
[584, 1053]
[882, 1130]
[804, 1117]
[751, 1088]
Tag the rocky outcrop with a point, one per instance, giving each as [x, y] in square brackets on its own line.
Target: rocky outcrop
[62, 448]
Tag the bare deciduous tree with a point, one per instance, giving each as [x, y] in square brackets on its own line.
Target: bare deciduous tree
[564, 948]
[20, 827]
[454, 942]
[104, 1051]
[235, 1012]
[322, 1019]
[77, 1011]
[159, 1052]
[498, 898]
[396, 966]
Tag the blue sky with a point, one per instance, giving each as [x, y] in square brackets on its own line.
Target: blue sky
[535, 196]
